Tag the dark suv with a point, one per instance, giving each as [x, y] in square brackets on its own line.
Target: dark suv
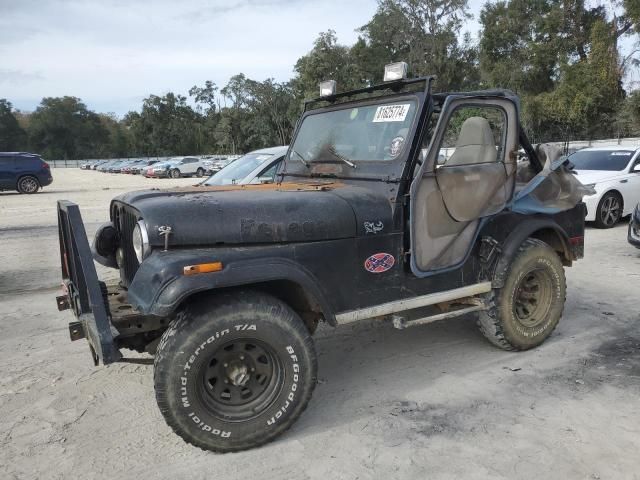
[24, 172]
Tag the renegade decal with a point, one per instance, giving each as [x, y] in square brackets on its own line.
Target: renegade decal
[373, 227]
[379, 262]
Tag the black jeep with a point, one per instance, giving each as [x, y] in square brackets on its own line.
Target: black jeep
[393, 203]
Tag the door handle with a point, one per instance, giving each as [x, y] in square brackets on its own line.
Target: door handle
[624, 181]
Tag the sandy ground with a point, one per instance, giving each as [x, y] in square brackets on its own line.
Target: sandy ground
[431, 402]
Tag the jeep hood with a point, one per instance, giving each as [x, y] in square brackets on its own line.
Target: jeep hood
[251, 214]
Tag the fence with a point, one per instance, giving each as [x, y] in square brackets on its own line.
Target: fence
[569, 147]
[77, 163]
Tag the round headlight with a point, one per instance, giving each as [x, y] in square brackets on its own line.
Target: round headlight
[140, 241]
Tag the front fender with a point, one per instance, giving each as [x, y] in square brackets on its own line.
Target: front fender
[160, 285]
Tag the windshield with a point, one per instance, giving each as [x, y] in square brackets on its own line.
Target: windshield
[614, 160]
[364, 133]
[235, 172]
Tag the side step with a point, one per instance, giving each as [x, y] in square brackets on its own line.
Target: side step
[458, 295]
[475, 305]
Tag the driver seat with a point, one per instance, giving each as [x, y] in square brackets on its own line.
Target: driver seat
[475, 144]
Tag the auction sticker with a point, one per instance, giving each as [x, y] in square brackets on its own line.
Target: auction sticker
[379, 262]
[391, 113]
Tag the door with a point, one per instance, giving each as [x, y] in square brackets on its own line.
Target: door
[631, 188]
[7, 173]
[468, 173]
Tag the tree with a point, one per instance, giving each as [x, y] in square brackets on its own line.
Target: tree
[165, 126]
[519, 44]
[119, 138]
[12, 136]
[271, 103]
[63, 128]
[205, 96]
[588, 95]
[327, 60]
[424, 33]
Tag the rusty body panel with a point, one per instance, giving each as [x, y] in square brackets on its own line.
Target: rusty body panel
[253, 214]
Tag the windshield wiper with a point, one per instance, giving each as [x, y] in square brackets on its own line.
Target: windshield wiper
[302, 159]
[333, 152]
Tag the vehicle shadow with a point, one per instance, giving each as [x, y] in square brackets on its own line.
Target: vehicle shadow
[371, 368]
[41, 192]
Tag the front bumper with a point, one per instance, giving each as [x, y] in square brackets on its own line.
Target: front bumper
[591, 202]
[633, 236]
[84, 294]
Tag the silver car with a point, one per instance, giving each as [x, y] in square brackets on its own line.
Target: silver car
[183, 167]
[259, 166]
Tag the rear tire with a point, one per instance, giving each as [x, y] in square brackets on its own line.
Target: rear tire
[525, 311]
[609, 211]
[234, 371]
[28, 184]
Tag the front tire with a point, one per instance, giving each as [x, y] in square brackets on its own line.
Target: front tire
[175, 173]
[609, 210]
[234, 371]
[525, 311]
[28, 184]
[200, 173]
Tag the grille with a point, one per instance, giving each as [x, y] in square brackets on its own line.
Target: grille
[125, 220]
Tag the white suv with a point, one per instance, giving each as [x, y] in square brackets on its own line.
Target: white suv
[184, 167]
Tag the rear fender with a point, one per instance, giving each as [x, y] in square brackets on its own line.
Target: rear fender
[544, 229]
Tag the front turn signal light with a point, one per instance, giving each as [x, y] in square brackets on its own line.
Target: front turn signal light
[203, 268]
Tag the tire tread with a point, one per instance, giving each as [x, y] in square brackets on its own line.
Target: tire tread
[489, 322]
[189, 314]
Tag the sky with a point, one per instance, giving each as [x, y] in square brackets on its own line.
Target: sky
[114, 53]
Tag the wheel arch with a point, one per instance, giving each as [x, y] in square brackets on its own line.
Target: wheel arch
[615, 191]
[542, 229]
[281, 278]
[23, 175]
[294, 294]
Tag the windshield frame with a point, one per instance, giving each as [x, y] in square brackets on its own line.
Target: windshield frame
[392, 169]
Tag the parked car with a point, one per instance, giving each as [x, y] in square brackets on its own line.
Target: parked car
[614, 172]
[132, 165]
[126, 168]
[141, 165]
[214, 166]
[122, 167]
[183, 167]
[634, 228]
[95, 165]
[103, 166]
[110, 166]
[259, 166]
[158, 169]
[227, 285]
[24, 172]
[86, 165]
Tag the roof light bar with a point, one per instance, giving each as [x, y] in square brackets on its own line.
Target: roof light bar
[395, 71]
